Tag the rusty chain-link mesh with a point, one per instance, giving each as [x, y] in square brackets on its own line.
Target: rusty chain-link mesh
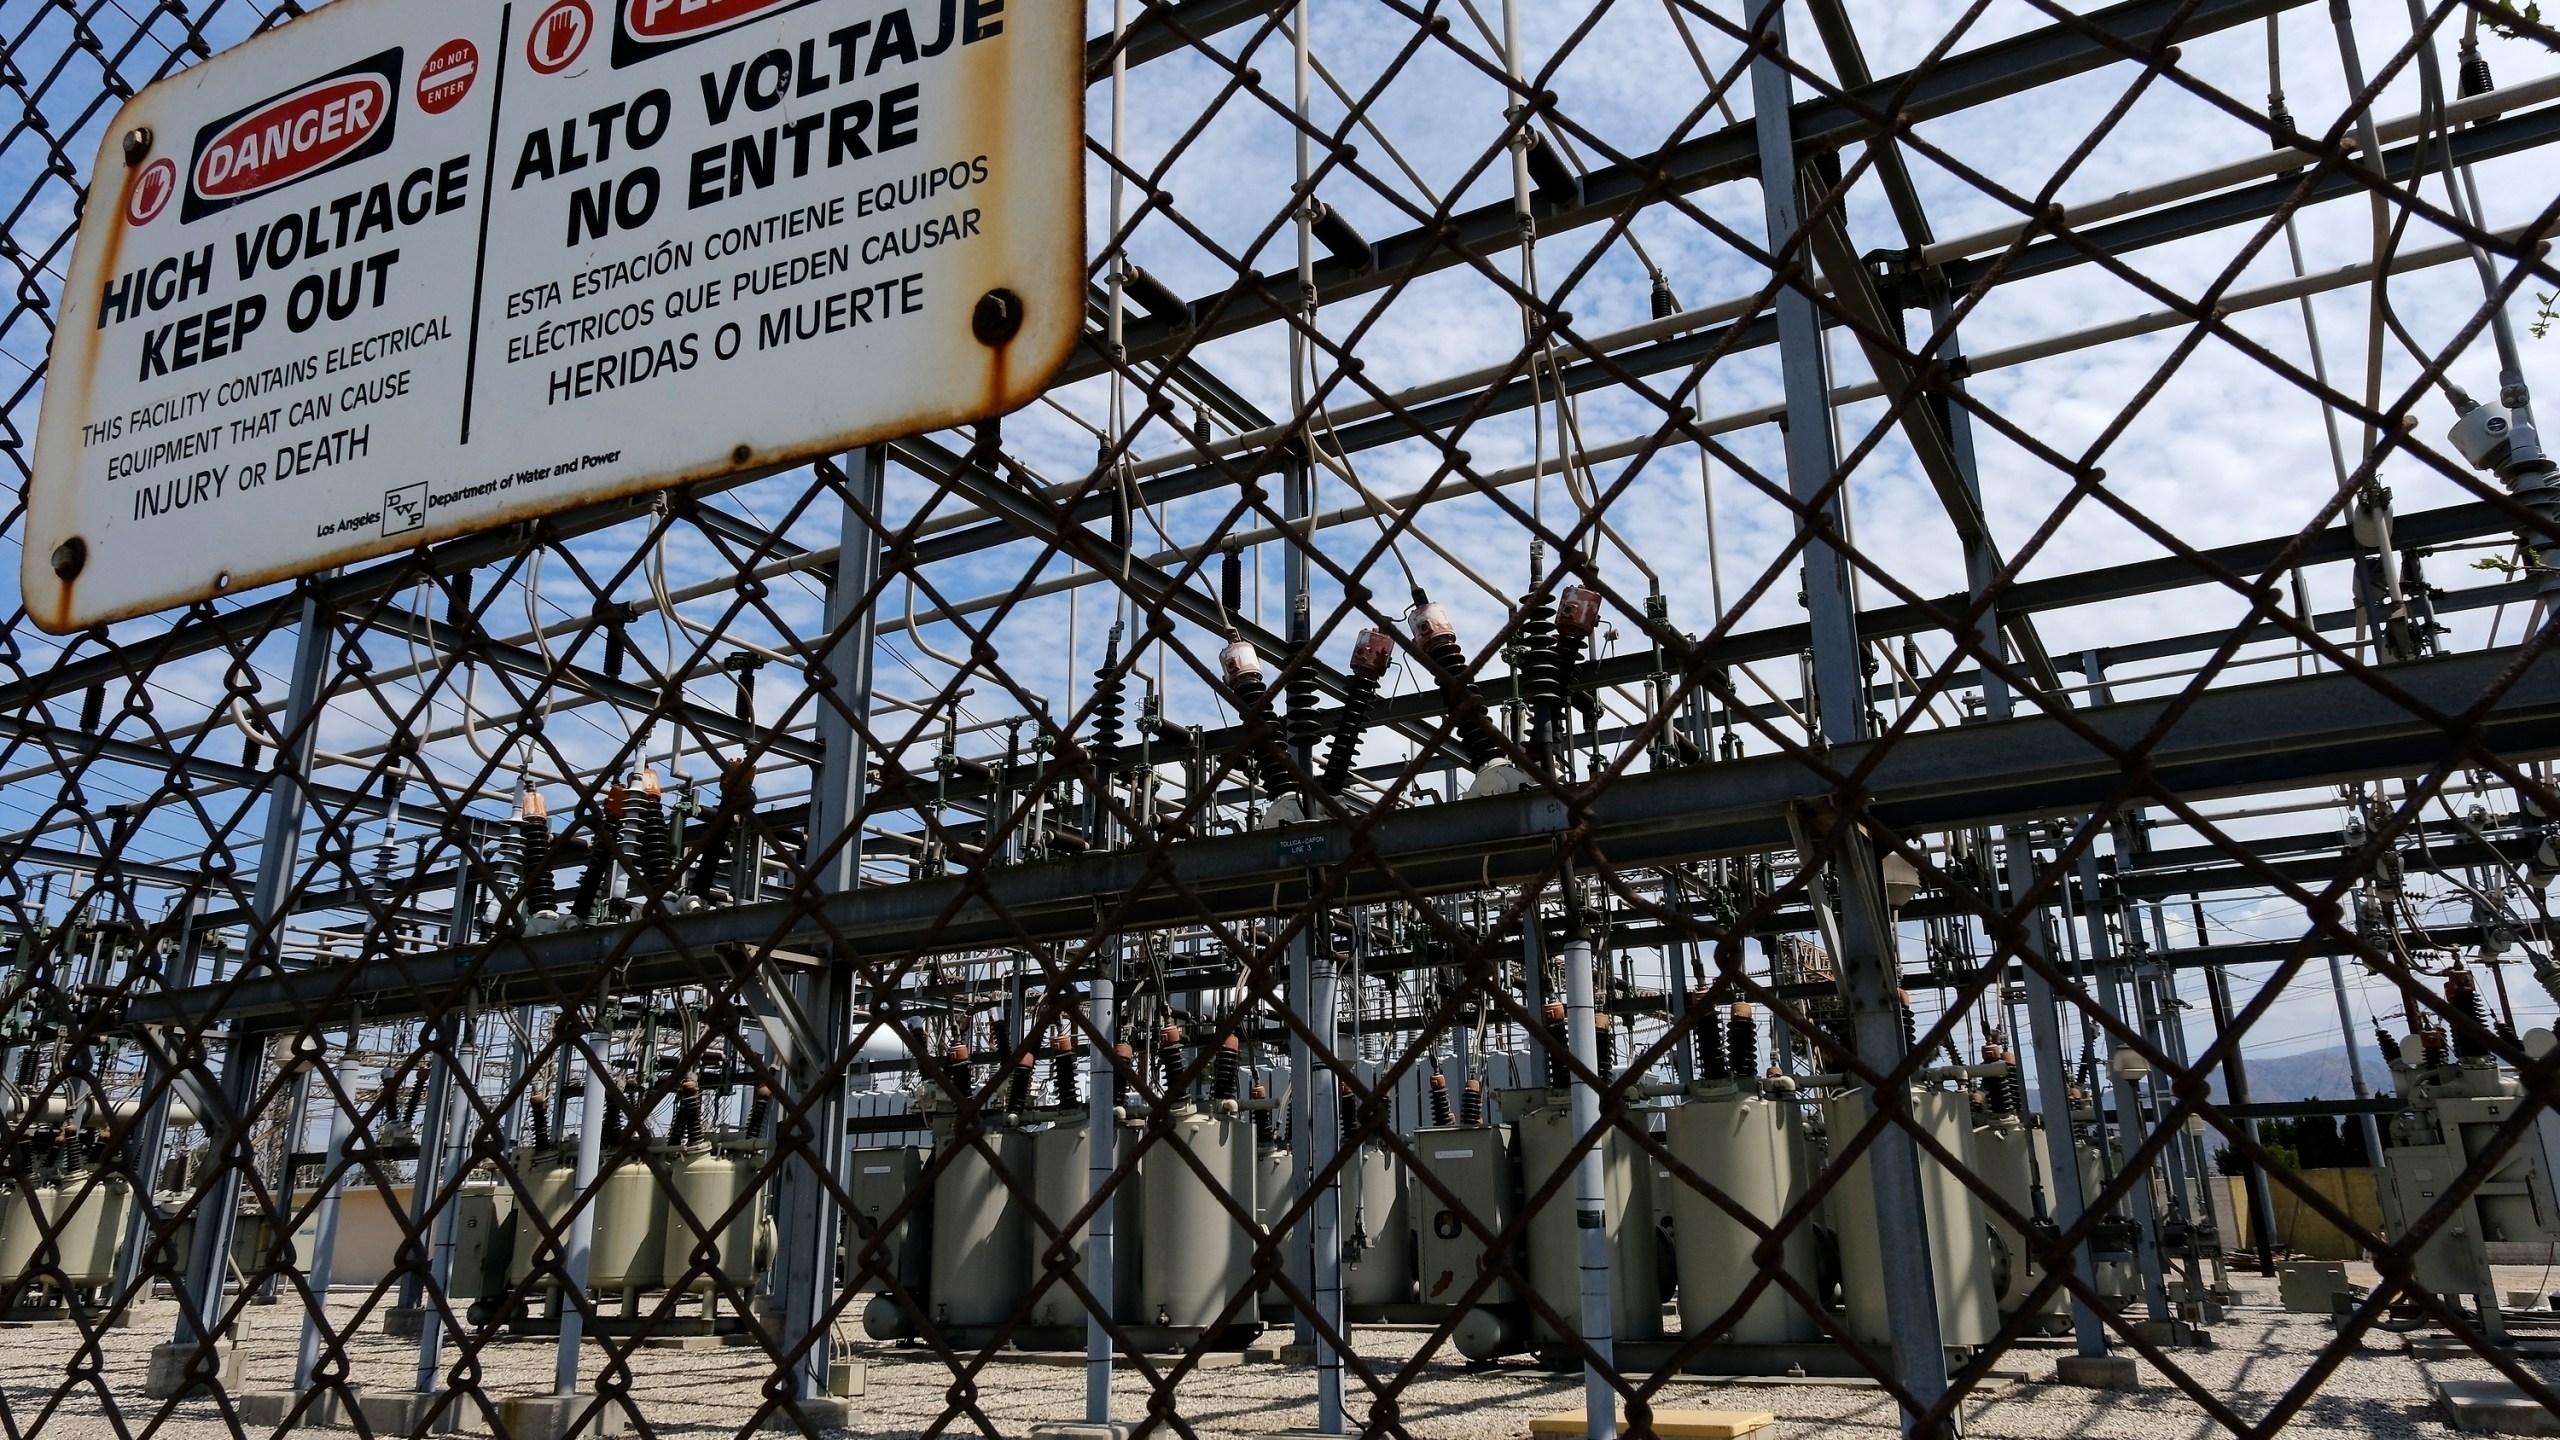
[1581, 785]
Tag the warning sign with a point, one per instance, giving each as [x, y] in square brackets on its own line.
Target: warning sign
[394, 272]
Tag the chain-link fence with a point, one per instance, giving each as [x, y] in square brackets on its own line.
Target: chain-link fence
[1549, 770]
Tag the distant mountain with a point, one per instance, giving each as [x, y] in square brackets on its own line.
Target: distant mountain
[2306, 1075]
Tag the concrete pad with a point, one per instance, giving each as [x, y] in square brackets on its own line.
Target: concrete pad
[271, 1408]
[1075, 1360]
[2446, 1347]
[684, 1342]
[174, 1370]
[1079, 1430]
[823, 1413]
[401, 1412]
[1669, 1424]
[559, 1417]
[2098, 1372]
[404, 1322]
[2493, 1407]
[2306, 1285]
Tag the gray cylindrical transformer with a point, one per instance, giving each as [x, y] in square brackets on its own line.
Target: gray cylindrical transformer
[547, 1176]
[1959, 1229]
[2002, 1147]
[1060, 1181]
[2116, 1274]
[978, 1249]
[1378, 1244]
[20, 1234]
[710, 1185]
[1197, 1256]
[1275, 1189]
[93, 1229]
[1555, 1264]
[883, 1179]
[1750, 1147]
[629, 1252]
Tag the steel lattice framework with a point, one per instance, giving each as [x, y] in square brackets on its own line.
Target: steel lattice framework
[1414, 651]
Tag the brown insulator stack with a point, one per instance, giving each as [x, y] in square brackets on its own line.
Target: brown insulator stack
[2462, 992]
[1062, 1070]
[1709, 1040]
[1742, 1042]
[1227, 1071]
[595, 882]
[1371, 654]
[533, 847]
[654, 850]
[1241, 667]
[1437, 638]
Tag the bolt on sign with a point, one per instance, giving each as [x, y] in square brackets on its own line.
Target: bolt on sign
[396, 272]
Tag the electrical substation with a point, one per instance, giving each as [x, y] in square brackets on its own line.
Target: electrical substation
[1421, 718]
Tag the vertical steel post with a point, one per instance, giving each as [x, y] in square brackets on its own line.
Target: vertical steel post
[2130, 1128]
[2253, 1184]
[582, 1225]
[1870, 969]
[2355, 1061]
[1102, 1152]
[2064, 1197]
[324, 1244]
[1302, 1089]
[1324, 1228]
[1590, 1182]
[809, 1215]
[2053, 1099]
[1838, 676]
[453, 1149]
[430, 1137]
[154, 1137]
[279, 852]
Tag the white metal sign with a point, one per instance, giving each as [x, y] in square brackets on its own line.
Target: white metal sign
[396, 271]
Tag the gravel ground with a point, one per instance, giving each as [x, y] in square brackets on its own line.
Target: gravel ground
[52, 1388]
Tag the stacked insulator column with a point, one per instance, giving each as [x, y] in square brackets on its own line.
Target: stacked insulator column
[1265, 1129]
[654, 851]
[1110, 705]
[595, 882]
[1439, 1094]
[1242, 666]
[533, 843]
[1541, 683]
[1437, 638]
[1709, 1040]
[1063, 1079]
[1577, 619]
[2462, 992]
[1229, 1069]
[1742, 1043]
[686, 1127]
[1371, 654]
[1018, 1096]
